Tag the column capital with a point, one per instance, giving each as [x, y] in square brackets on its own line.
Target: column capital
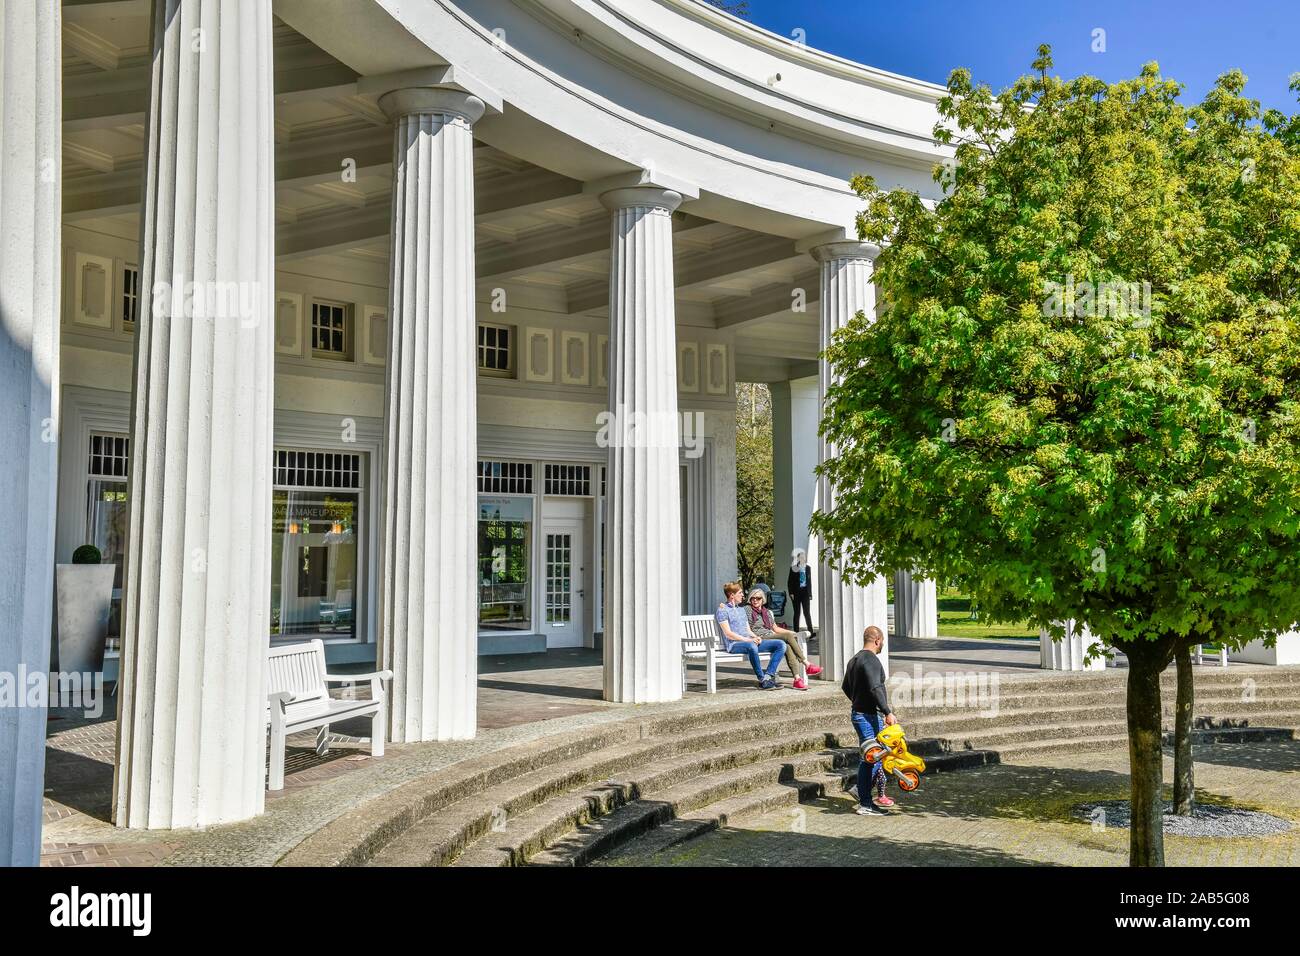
[434, 89]
[844, 249]
[652, 197]
[423, 100]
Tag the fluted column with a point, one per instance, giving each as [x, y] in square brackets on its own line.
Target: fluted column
[643, 496]
[916, 606]
[845, 610]
[30, 164]
[429, 636]
[1070, 652]
[192, 731]
[796, 412]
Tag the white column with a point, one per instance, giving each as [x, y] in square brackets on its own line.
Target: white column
[192, 732]
[30, 197]
[430, 636]
[642, 495]
[796, 413]
[916, 606]
[845, 610]
[1070, 652]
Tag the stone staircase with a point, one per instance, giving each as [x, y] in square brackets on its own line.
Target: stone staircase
[666, 776]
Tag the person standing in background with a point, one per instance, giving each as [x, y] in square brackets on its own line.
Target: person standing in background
[799, 584]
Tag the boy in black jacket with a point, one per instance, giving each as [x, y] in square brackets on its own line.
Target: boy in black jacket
[864, 686]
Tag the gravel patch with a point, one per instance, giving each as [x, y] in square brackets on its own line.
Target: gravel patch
[1207, 820]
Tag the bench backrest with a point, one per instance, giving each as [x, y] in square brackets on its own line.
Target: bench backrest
[298, 669]
[700, 632]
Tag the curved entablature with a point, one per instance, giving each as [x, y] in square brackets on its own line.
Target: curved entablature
[597, 88]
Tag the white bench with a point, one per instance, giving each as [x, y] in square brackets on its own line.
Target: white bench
[702, 642]
[1198, 654]
[298, 699]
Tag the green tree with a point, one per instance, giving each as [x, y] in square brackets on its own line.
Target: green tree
[755, 524]
[737, 8]
[1078, 402]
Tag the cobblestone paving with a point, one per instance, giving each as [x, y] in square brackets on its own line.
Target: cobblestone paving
[1012, 814]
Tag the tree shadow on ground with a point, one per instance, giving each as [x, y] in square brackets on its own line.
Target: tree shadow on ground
[730, 845]
[1012, 792]
[1280, 756]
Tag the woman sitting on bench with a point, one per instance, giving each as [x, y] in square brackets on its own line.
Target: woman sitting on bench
[763, 625]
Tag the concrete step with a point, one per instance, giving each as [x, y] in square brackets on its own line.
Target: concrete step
[515, 837]
[600, 836]
[716, 776]
[441, 838]
[673, 832]
[438, 838]
[694, 807]
[458, 805]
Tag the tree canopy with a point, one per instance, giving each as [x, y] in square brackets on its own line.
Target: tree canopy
[1079, 397]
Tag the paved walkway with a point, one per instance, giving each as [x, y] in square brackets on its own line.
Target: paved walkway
[1013, 814]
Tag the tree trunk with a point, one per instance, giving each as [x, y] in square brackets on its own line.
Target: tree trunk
[1146, 805]
[1184, 779]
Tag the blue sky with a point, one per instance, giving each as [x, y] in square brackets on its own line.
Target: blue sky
[1193, 40]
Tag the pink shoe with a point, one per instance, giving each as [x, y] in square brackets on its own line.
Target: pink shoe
[813, 670]
[884, 801]
[800, 684]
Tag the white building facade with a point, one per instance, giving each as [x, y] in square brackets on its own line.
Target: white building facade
[414, 327]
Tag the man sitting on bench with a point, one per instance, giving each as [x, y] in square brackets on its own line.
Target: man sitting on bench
[738, 639]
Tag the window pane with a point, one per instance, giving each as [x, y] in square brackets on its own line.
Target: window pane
[505, 535]
[314, 537]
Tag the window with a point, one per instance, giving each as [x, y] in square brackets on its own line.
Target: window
[505, 540]
[317, 469]
[130, 296]
[495, 356]
[505, 477]
[316, 544]
[107, 514]
[331, 331]
[568, 480]
[559, 579]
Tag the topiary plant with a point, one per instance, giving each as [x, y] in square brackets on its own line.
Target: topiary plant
[87, 554]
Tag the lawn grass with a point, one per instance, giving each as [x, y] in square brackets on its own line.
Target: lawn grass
[955, 621]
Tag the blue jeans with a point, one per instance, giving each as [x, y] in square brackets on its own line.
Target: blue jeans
[775, 648]
[867, 726]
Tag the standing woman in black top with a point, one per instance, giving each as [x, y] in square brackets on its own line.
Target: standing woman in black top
[799, 586]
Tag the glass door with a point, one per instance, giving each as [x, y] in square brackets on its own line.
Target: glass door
[563, 568]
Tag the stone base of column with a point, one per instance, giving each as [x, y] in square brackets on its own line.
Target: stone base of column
[1070, 652]
[847, 610]
[916, 606]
